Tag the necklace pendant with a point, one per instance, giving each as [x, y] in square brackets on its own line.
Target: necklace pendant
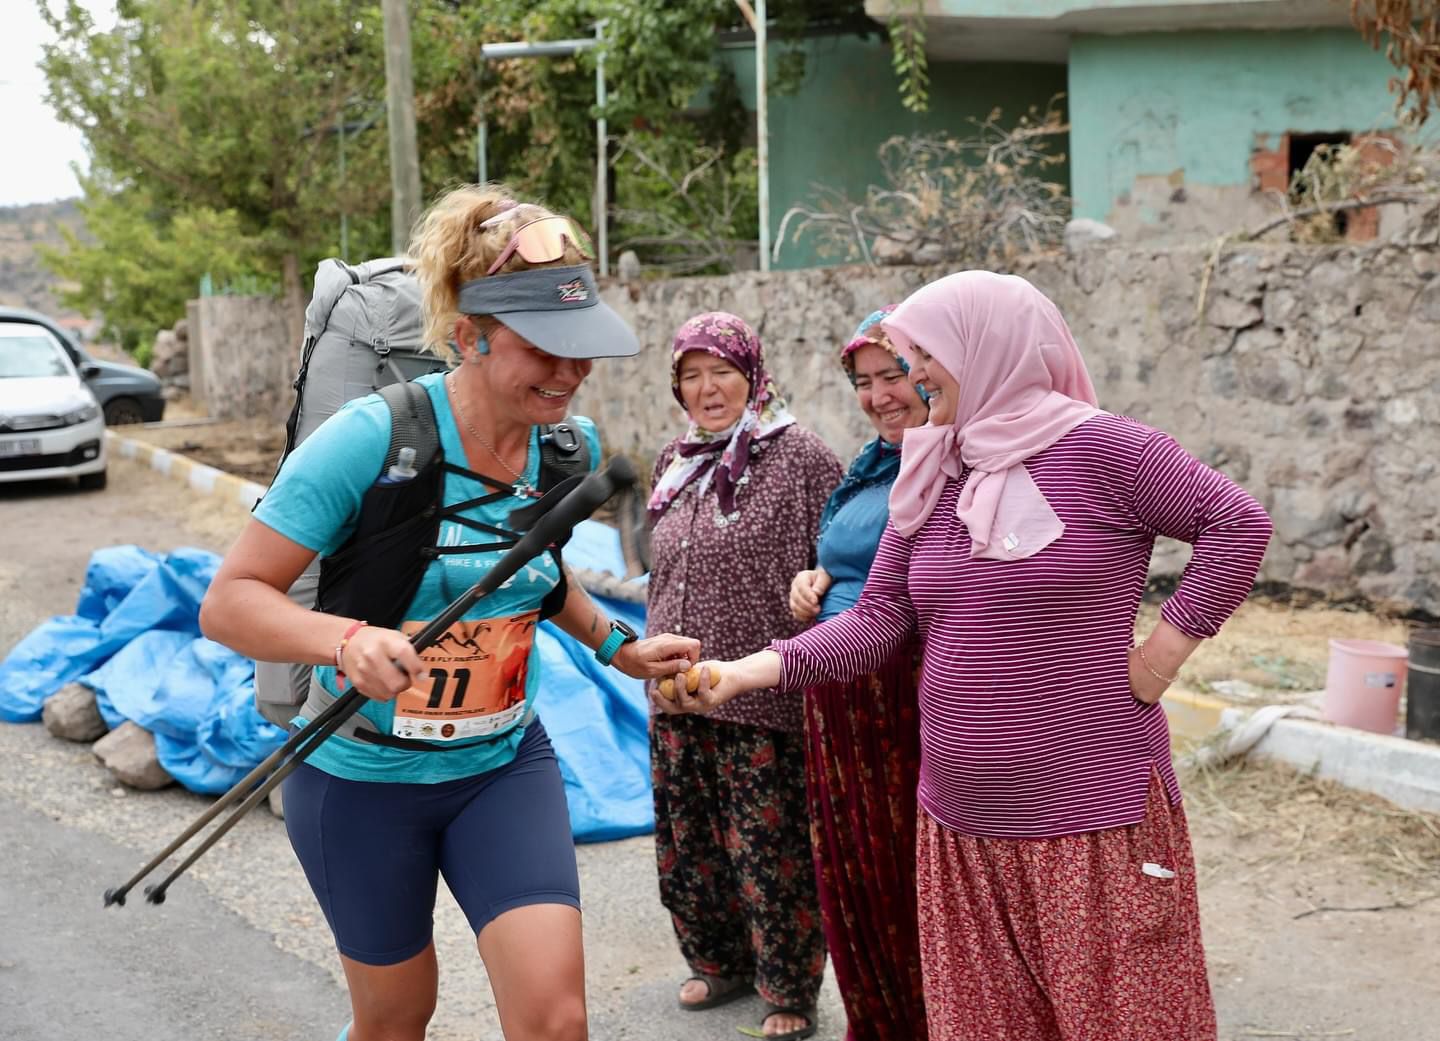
[525, 491]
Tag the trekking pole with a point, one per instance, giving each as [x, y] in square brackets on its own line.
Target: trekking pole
[588, 496]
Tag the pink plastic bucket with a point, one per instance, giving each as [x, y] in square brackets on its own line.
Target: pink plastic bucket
[1364, 684]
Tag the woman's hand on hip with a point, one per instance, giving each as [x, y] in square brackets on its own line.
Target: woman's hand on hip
[381, 663]
[806, 590]
[712, 683]
[1156, 660]
[1144, 687]
[657, 656]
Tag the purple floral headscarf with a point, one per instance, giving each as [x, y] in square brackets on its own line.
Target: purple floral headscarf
[721, 456]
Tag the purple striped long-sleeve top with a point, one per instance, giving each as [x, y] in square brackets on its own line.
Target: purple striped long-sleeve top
[1028, 727]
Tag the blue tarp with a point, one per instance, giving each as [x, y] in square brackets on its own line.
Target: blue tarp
[135, 640]
[597, 717]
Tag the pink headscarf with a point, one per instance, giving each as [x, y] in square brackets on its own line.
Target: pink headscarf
[1023, 386]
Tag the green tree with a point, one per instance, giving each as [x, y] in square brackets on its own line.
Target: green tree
[150, 262]
[203, 115]
[218, 110]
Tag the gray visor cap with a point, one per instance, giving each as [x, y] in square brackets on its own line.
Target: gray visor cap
[558, 309]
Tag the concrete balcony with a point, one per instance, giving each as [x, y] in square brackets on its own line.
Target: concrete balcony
[1040, 30]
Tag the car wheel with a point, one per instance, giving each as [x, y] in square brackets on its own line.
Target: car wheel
[92, 482]
[122, 411]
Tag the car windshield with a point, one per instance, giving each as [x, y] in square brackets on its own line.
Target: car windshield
[30, 352]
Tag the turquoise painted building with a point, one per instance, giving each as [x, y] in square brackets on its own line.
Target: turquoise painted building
[830, 129]
[1186, 117]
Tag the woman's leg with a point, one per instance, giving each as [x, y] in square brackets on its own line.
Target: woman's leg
[767, 840]
[509, 859]
[1084, 936]
[370, 852]
[697, 885]
[536, 964]
[862, 768]
[392, 1002]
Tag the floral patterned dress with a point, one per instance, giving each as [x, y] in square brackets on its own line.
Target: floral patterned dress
[731, 824]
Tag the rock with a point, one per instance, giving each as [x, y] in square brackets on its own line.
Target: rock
[1427, 302]
[277, 806]
[1279, 307]
[129, 752]
[885, 250]
[182, 330]
[1257, 340]
[71, 715]
[1339, 345]
[628, 267]
[171, 356]
[1230, 312]
[1089, 275]
[1082, 233]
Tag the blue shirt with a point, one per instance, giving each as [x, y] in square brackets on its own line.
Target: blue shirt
[315, 501]
[848, 544]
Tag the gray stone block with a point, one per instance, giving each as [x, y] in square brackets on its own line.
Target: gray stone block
[71, 714]
[129, 753]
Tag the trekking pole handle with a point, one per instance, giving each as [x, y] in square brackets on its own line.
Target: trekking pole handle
[589, 495]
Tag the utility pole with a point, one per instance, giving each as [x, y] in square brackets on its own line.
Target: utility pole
[762, 128]
[400, 112]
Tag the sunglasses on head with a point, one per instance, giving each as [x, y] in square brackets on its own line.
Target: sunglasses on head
[543, 241]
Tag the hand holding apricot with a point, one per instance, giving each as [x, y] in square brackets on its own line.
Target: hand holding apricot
[692, 682]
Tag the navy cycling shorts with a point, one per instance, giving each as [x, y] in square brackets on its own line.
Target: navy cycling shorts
[373, 852]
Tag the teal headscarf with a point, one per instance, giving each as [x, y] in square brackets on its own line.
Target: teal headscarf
[878, 461]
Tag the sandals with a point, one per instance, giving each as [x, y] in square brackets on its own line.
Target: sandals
[720, 990]
[807, 1014]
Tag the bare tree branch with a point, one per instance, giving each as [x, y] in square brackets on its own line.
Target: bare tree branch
[982, 199]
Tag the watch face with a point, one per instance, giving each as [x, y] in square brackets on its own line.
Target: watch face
[621, 627]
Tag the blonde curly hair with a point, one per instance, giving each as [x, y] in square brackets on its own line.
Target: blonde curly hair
[450, 247]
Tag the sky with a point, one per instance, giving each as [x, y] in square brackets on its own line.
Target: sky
[40, 170]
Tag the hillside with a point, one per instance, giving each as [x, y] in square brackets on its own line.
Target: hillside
[24, 280]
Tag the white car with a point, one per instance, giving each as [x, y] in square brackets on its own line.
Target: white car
[50, 422]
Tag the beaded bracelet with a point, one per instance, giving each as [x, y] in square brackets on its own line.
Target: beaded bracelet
[1150, 668]
[355, 627]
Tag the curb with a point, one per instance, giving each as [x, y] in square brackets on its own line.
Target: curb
[1405, 772]
[198, 476]
[1193, 716]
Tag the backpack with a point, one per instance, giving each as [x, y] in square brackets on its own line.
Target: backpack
[363, 334]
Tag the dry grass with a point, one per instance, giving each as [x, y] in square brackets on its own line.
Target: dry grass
[1277, 648]
[247, 448]
[1276, 815]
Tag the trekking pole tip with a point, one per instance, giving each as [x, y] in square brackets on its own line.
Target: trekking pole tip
[155, 894]
[114, 896]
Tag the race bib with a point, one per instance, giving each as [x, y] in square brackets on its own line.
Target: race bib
[474, 683]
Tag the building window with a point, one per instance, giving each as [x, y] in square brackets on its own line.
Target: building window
[1274, 170]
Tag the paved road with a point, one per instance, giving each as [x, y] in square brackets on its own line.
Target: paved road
[192, 970]
[239, 951]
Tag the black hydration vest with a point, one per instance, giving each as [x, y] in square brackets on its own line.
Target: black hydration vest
[377, 572]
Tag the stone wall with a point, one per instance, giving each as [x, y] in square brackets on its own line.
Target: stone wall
[241, 357]
[1312, 378]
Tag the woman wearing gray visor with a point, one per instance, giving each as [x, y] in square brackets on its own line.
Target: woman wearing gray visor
[454, 774]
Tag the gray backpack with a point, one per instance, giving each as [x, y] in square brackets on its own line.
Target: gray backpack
[363, 331]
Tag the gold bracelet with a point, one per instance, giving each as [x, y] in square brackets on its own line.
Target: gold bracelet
[1150, 668]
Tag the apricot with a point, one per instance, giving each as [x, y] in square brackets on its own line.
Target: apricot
[692, 682]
